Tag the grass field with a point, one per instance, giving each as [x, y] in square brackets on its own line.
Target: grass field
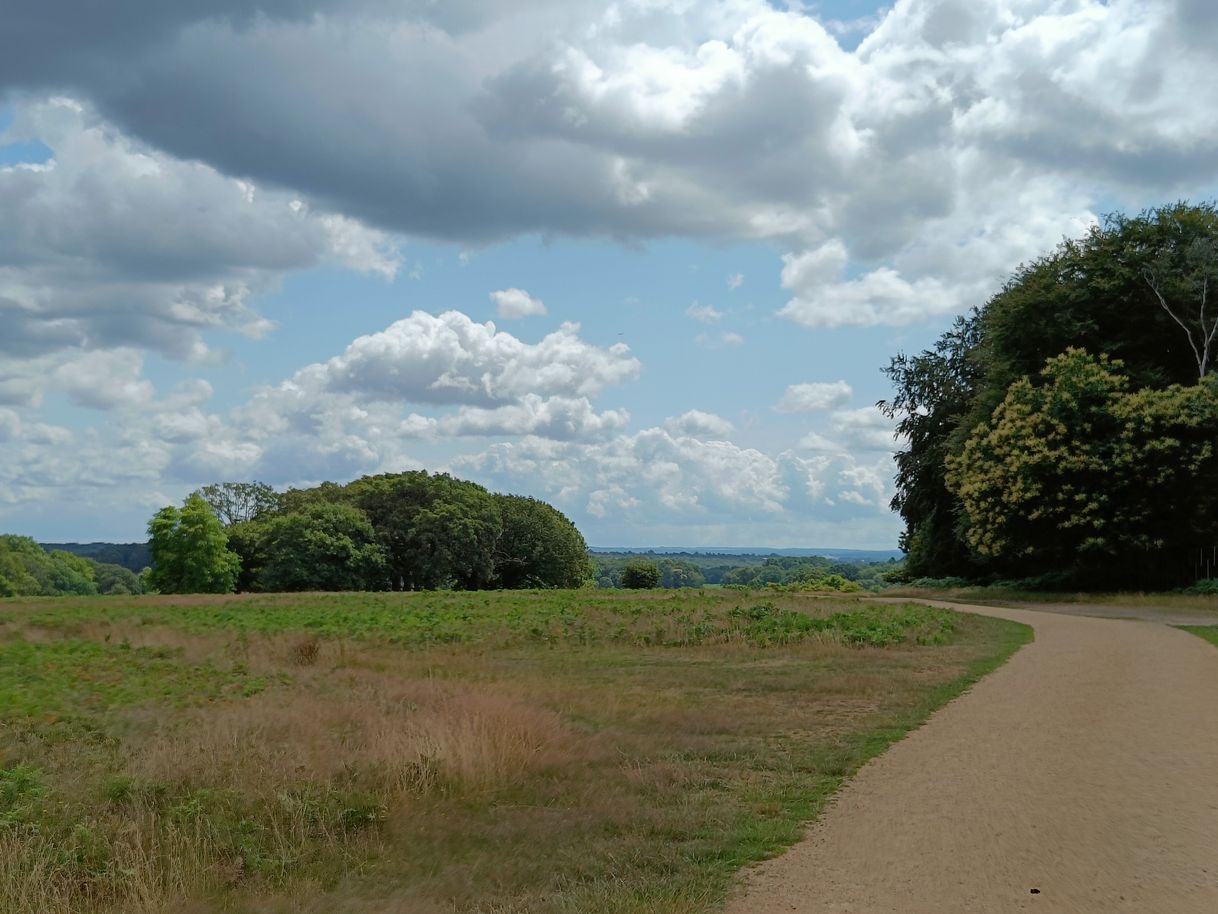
[1201, 605]
[485, 752]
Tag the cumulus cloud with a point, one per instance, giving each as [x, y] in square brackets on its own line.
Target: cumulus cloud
[559, 418]
[192, 170]
[903, 178]
[449, 358]
[735, 281]
[705, 314]
[649, 470]
[517, 303]
[805, 398]
[112, 244]
[863, 430]
[697, 422]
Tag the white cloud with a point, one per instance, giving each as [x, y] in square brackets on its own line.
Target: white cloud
[720, 340]
[517, 303]
[449, 358]
[863, 430]
[696, 422]
[705, 314]
[559, 418]
[805, 398]
[735, 281]
[113, 244]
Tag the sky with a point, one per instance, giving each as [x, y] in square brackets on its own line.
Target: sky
[645, 260]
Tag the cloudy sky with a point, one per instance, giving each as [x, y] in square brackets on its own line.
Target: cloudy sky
[643, 259]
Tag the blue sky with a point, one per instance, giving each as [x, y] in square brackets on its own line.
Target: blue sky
[294, 248]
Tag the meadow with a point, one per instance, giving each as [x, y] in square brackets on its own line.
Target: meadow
[559, 751]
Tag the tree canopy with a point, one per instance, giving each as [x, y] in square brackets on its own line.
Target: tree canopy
[190, 551]
[398, 531]
[1052, 430]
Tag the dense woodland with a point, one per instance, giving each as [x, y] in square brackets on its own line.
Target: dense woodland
[1067, 431]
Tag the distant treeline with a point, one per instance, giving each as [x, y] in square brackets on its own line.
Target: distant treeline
[29, 570]
[132, 556]
[700, 569]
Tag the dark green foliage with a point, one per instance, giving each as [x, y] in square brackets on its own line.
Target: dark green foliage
[675, 573]
[437, 531]
[132, 556]
[1132, 290]
[538, 546]
[190, 551]
[933, 390]
[406, 531]
[116, 579]
[640, 575]
[323, 547]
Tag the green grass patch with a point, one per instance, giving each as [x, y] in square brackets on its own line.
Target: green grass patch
[1206, 632]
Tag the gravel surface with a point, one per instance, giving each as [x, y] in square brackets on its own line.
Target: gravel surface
[1080, 778]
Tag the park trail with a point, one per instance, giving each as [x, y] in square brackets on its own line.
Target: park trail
[1079, 778]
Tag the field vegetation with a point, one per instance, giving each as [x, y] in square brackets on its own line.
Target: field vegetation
[558, 751]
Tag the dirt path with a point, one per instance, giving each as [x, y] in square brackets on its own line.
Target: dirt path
[1087, 768]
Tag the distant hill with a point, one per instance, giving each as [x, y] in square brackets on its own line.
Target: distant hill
[844, 555]
[132, 556]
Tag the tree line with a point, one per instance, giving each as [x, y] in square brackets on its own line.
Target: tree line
[400, 531]
[29, 570]
[1066, 431]
[634, 570]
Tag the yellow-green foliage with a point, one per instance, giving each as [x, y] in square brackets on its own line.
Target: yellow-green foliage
[1075, 470]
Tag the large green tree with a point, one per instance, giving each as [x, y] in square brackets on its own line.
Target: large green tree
[190, 551]
[323, 547]
[538, 546]
[1077, 476]
[437, 531]
[1136, 288]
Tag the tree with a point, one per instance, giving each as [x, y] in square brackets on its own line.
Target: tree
[238, 502]
[933, 390]
[1179, 250]
[70, 574]
[26, 569]
[437, 531]
[189, 550]
[640, 575]
[115, 579]
[323, 547]
[1096, 293]
[538, 546]
[675, 573]
[1076, 476]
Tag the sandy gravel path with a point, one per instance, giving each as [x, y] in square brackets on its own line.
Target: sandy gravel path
[1086, 768]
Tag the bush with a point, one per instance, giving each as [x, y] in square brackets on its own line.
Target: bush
[640, 575]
